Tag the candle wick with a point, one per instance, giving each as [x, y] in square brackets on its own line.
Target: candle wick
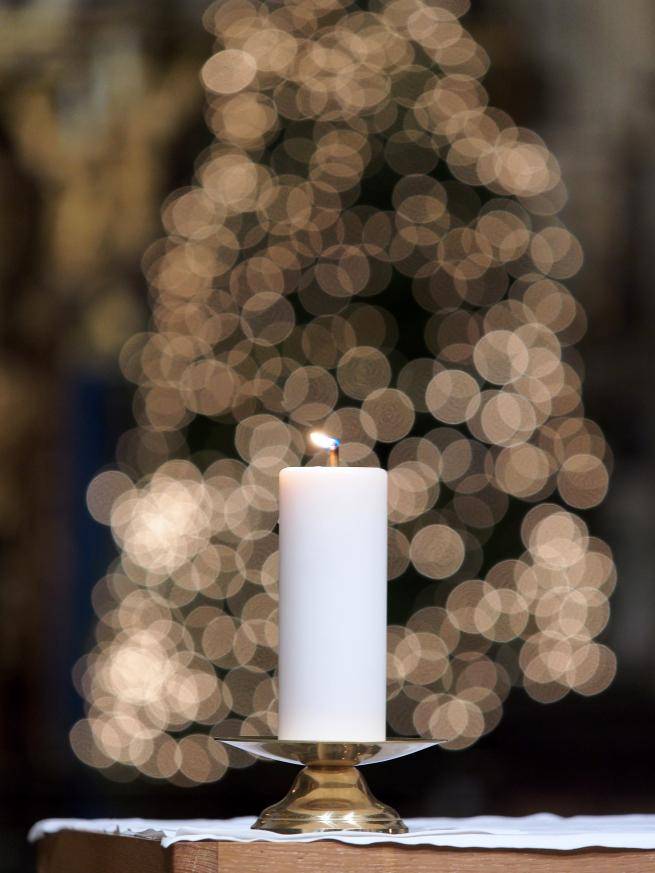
[333, 456]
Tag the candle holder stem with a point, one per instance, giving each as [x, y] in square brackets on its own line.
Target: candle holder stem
[330, 798]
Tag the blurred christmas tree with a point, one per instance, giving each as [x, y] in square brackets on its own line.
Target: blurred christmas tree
[368, 247]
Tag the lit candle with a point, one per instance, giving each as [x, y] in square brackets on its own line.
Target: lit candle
[333, 601]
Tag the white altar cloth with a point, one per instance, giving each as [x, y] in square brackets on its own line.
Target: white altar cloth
[542, 831]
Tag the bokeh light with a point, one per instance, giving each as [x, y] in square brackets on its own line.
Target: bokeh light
[278, 299]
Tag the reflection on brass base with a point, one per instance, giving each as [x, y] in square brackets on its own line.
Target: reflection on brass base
[330, 799]
[329, 794]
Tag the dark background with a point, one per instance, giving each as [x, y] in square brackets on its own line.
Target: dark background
[100, 118]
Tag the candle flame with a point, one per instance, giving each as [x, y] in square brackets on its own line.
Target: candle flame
[323, 441]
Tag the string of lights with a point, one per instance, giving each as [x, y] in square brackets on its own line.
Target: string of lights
[357, 173]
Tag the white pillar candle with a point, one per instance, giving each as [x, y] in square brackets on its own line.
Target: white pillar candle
[333, 603]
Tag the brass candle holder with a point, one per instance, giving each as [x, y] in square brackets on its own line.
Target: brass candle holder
[329, 793]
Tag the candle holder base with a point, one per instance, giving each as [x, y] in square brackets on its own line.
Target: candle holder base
[328, 799]
[329, 793]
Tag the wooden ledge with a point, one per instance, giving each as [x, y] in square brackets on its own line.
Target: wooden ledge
[78, 852]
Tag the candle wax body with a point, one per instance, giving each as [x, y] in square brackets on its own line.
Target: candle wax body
[333, 603]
